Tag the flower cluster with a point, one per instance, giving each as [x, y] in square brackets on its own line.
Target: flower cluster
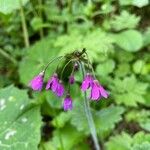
[56, 85]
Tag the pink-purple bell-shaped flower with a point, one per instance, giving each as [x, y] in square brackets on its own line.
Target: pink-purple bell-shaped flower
[97, 91]
[55, 85]
[37, 82]
[67, 104]
[87, 82]
[52, 83]
[60, 89]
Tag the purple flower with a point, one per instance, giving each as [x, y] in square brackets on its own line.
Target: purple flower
[60, 89]
[71, 79]
[87, 82]
[55, 85]
[67, 103]
[37, 82]
[52, 83]
[97, 91]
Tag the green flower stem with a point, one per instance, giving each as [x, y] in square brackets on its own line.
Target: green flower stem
[65, 67]
[24, 26]
[60, 57]
[89, 115]
[90, 64]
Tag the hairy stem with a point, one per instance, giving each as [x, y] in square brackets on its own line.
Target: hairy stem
[89, 115]
[24, 26]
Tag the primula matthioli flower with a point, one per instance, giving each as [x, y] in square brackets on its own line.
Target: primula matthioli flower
[87, 82]
[60, 89]
[55, 85]
[97, 91]
[67, 103]
[71, 79]
[52, 83]
[79, 60]
[37, 82]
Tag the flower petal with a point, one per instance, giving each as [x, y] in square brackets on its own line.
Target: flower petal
[85, 85]
[60, 90]
[103, 92]
[54, 84]
[67, 103]
[95, 93]
[37, 83]
[48, 85]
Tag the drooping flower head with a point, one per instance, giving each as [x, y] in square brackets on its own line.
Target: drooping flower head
[97, 91]
[67, 104]
[37, 82]
[71, 79]
[79, 60]
[87, 82]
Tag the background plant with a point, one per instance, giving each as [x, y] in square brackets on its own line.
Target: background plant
[116, 35]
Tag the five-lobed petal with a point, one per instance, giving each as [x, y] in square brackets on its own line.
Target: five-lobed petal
[97, 91]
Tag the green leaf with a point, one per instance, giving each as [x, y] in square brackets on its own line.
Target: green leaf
[104, 119]
[36, 59]
[78, 118]
[129, 40]
[18, 120]
[142, 117]
[138, 66]
[37, 23]
[120, 22]
[129, 91]
[146, 37]
[69, 135]
[125, 2]
[8, 6]
[141, 141]
[124, 141]
[60, 120]
[122, 70]
[119, 142]
[97, 49]
[140, 3]
[105, 68]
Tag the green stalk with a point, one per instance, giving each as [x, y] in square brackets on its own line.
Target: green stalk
[7, 56]
[24, 26]
[51, 61]
[40, 15]
[89, 115]
[65, 68]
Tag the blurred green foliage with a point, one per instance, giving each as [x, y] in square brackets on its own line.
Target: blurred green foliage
[116, 35]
